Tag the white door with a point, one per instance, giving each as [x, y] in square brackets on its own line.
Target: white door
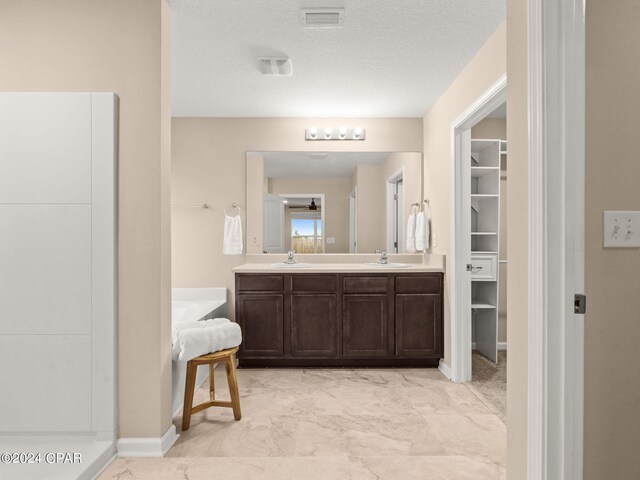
[273, 224]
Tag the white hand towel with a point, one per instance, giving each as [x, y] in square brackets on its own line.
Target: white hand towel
[422, 232]
[411, 234]
[232, 235]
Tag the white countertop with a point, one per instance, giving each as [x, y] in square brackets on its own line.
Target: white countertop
[336, 268]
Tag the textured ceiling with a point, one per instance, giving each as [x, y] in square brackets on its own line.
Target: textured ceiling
[391, 58]
[304, 165]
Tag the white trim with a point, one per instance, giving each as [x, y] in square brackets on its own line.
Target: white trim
[556, 239]
[148, 446]
[444, 368]
[460, 302]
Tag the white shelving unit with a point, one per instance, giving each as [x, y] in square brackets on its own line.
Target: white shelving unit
[485, 242]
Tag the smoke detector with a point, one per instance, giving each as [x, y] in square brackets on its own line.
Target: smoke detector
[325, 17]
[275, 66]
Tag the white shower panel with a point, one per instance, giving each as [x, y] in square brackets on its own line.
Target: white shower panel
[45, 260]
[45, 148]
[58, 265]
[48, 389]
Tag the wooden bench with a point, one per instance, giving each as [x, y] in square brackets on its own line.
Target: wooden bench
[223, 356]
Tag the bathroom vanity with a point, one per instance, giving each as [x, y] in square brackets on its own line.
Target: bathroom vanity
[339, 315]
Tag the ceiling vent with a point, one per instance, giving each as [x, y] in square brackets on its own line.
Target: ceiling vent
[322, 17]
[275, 66]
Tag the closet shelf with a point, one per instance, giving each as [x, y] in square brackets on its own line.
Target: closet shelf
[480, 171]
[478, 305]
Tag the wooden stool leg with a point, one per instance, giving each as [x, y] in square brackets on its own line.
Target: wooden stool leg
[212, 383]
[232, 379]
[189, 390]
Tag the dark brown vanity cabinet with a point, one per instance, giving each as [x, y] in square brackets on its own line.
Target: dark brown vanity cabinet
[340, 319]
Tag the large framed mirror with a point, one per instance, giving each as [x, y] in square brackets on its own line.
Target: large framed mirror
[331, 202]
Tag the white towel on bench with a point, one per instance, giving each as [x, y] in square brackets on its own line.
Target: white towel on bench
[192, 339]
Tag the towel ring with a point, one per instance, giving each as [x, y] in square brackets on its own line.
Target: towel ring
[233, 205]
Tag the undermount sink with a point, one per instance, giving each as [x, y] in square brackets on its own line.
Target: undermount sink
[388, 265]
[290, 265]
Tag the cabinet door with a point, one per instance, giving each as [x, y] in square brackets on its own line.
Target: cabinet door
[418, 324]
[314, 319]
[262, 321]
[365, 320]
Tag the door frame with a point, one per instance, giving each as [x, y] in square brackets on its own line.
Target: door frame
[390, 183]
[460, 303]
[323, 209]
[556, 153]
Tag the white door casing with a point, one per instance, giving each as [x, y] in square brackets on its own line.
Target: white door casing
[460, 302]
[556, 116]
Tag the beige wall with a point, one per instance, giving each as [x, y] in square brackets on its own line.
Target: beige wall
[208, 166]
[116, 46]
[486, 67]
[370, 207]
[612, 322]
[336, 207]
[517, 212]
[497, 128]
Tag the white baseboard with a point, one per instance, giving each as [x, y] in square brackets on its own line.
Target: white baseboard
[148, 446]
[445, 369]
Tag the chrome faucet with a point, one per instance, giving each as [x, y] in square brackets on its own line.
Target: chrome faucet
[383, 257]
[290, 259]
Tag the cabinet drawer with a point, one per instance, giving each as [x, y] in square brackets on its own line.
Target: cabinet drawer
[314, 283]
[362, 284]
[419, 284]
[484, 267]
[260, 283]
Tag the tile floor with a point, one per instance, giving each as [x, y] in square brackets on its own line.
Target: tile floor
[337, 424]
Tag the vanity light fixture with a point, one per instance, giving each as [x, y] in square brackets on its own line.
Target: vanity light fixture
[330, 133]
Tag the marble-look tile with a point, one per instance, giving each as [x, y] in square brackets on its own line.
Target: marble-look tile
[451, 398]
[421, 468]
[236, 468]
[381, 424]
[471, 435]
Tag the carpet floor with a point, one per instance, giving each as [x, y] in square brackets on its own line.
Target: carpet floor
[490, 381]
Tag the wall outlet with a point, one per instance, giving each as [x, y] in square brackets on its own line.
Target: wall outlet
[621, 229]
[254, 239]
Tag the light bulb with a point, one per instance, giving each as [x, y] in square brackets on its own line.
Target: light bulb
[313, 132]
[357, 132]
[327, 132]
[343, 132]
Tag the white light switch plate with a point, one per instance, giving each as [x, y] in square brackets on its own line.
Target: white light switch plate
[621, 229]
[331, 240]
